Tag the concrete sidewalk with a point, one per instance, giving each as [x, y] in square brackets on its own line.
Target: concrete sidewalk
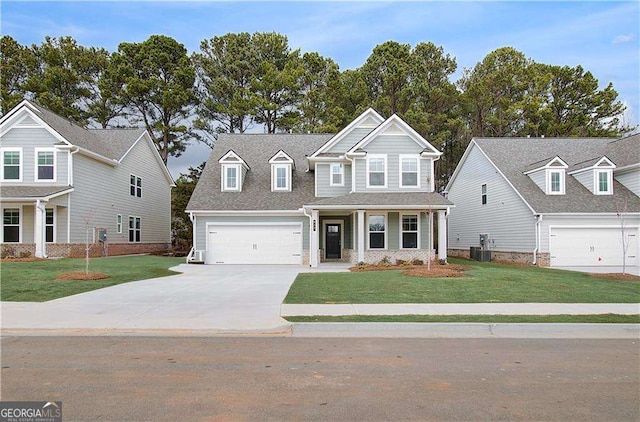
[460, 309]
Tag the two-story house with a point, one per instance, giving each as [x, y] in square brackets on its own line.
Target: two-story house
[62, 185]
[360, 195]
[560, 202]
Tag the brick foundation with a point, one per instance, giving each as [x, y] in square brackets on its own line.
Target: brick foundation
[518, 257]
[373, 257]
[78, 250]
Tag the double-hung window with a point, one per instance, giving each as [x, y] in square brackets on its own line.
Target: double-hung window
[409, 230]
[281, 177]
[11, 225]
[484, 194]
[555, 182]
[337, 174]
[45, 165]
[377, 171]
[409, 174]
[118, 223]
[135, 186]
[603, 182]
[49, 223]
[11, 169]
[230, 174]
[135, 229]
[377, 232]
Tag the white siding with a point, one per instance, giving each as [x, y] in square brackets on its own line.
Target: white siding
[323, 177]
[505, 217]
[630, 180]
[539, 178]
[586, 178]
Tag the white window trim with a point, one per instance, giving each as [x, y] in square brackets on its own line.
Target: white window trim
[20, 219]
[135, 195]
[341, 173]
[549, 185]
[223, 178]
[35, 168]
[417, 214]
[134, 229]
[386, 231]
[119, 223]
[55, 218]
[274, 175]
[486, 193]
[412, 156]
[21, 166]
[386, 172]
[596, 181]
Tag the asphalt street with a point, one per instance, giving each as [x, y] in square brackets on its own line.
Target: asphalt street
[325, 379]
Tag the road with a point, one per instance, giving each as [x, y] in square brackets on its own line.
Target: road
[313, 379]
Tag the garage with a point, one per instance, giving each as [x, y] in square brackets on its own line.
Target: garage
[254, 244]
[591, 246]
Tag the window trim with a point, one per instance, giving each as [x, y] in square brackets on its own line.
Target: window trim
[484, 194]
[20, 165]
[341, 173]
[224, 179]
[139, 230]
[386, 231]
[137, 187]
[609, 174]
[37, 151]
[400, 170]
[53, 225]
[19, 208]
[274, 177]
[402, 231]
[386, 171]
[549, 181]
[119, 223]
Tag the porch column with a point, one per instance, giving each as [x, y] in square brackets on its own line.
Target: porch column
[314, 225]
[360, 235]
[442, 235]
[38, 230]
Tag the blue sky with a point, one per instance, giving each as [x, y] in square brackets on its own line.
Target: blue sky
[602, 36]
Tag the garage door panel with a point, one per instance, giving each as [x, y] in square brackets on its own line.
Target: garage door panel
[588, 246]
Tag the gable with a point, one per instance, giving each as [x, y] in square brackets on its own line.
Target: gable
[352, 134]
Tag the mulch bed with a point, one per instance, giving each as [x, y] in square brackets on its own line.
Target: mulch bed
[617, 276]
[81, 275]
[437, 270]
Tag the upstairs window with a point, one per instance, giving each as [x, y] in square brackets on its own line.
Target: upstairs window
[603, 182]
[377, 171]
[409, 172]
[337, 175]
[11, 170]
[135, 186]
[45, 165]
[231, 177]
[11, 225]
[555, 182]
[484, 194]
[281, 177]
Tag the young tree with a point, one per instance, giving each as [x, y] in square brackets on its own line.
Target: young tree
[180, 195]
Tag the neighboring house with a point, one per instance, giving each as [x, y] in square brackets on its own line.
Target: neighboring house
[361, 195]
[551, 202]
[63, 184]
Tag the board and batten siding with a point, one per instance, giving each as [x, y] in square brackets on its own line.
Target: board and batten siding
[29, 139]
[323, 178]
[102, 192]
[202, 221]
[630, 180]
[352, 138]
[506, 218]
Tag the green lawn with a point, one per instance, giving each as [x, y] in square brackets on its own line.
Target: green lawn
[34, 281]
[486, 283]
[599, 318]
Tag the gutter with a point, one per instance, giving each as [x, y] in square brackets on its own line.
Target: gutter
[537, 229]
[353, 179]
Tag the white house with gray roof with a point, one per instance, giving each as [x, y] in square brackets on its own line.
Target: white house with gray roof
[62, 184]
[564, 202]
[360, 195]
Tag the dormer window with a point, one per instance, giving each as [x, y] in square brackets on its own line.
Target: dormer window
[549, 175]
[603, 182]
[555, 182]
[595, 174]
[232, 172]
[281, 167]
[230, 177]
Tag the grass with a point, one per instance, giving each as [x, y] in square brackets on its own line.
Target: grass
[486, 283]
[598, 318]
[34, 281]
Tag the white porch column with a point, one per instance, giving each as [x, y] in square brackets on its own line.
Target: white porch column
[38, 230]
[314, 225]
[360, 235]
[442, 235]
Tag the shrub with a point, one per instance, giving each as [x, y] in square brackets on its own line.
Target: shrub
[385, 261]
[417, 261]
[25, 254]
[8, 252]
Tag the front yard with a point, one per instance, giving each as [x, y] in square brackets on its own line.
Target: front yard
[35, 281]
[485, 283]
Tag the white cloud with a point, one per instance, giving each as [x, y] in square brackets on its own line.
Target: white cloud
[621, 39]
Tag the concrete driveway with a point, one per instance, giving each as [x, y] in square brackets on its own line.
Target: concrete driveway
[226, 298]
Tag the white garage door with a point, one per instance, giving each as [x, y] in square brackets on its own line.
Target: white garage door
[591, 247]
[254, 244]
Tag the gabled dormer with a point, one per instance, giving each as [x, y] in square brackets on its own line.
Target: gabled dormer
[232, 172]
[549, 175]
[282, 166]
[595, 174]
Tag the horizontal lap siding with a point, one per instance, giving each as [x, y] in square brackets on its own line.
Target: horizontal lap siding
[505, 217]
[346, 143]
[539, 179]
[323, 176]
[630, 180]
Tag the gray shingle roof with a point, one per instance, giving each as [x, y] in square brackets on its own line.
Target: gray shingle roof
[513, 155]
[624, 152]
[34, 192]
[420, 199]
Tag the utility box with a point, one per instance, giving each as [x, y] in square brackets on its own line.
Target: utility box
[484, 240]
[102, 235]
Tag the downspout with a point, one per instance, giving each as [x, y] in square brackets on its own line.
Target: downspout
[537, 249]
[353, 179]
[192, 218]
[70, 181]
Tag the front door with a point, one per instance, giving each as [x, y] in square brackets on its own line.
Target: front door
[333, 246]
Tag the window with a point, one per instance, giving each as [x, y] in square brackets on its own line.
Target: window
[49, 225]
[337, 175]
[11, 170]
[118, 223]
[409, 231]
[134, 229]
[603, 182]
[135, 188]
[556, 182]
[231, 181]
[377, 229]
[484, 194]
[11, 225]
[377, 171]
[409, 172]
[281, 177]
[45, 165]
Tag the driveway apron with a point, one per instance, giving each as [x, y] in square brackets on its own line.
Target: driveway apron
[238, 298]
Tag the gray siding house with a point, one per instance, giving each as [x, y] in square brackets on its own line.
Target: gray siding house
[565, 203]
[362, 195]
[62, 184]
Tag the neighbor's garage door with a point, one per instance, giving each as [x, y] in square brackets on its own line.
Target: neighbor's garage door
[588, 246]
[254, 244]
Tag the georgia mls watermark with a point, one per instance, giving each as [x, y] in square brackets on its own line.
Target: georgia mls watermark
[30, 411]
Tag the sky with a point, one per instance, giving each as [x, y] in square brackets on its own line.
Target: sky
[601, 36]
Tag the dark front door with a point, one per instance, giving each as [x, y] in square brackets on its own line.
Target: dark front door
[333, 246]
